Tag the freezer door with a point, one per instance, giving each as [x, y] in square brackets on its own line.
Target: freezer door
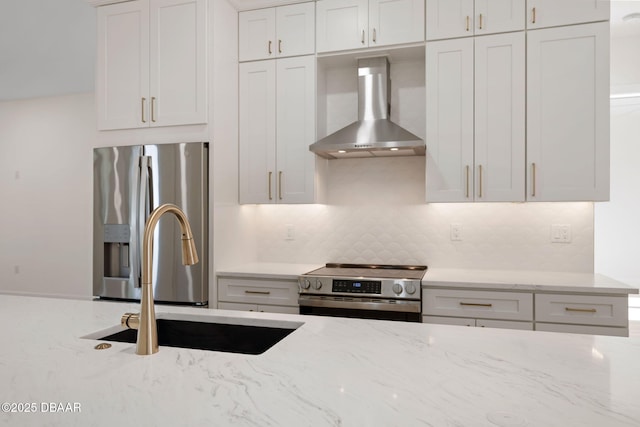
[178, 174]
[116, 265]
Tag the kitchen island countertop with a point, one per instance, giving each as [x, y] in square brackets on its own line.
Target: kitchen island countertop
[329, 372]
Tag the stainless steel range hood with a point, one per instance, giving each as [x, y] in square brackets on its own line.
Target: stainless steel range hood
[373, 135]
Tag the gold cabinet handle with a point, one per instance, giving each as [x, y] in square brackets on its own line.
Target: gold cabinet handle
[270, 175]
[280, 185]
[480, 179]
[269, 47]
[533, 15]
[533, 180]
[142, 109]
[374, 35]
[362, 38]
[258, 292]
[467, 181]
[473, 304]
[153, 109]
[581, 310]
[468, 20]
[279, 46]
[480, 26]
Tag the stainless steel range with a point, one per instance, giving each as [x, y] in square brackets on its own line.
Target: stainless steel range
[389, 292]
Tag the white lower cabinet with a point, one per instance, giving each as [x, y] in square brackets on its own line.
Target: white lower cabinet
[590, 314]
[478, 304]
[554, 312]
[258, 294]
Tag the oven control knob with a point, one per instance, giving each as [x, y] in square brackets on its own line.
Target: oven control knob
[397, 288]
[410, 288]
[318, 284]
[305, 283]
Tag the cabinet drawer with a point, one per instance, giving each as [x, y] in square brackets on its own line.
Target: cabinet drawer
[478, 304]
[582, 309]
[583, 329]
[258, 291]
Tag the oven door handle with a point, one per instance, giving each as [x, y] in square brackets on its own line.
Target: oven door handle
[399, 306]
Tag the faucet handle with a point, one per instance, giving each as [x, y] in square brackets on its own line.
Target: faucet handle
[130, 320]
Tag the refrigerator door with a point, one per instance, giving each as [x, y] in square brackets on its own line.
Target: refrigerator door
[178, 174]
[116, 265]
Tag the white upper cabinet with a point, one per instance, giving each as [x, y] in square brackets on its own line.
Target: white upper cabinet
[355, 24]
[552, 13]
[277, 32]
[475, 119]
[277, 125]
[568, 113]
[151, 65]
[463, 18]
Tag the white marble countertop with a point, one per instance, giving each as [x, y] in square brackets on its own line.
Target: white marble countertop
[538, 281]
[329, 372]
[271, 270]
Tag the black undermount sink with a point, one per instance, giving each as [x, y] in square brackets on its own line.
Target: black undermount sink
[210, 335]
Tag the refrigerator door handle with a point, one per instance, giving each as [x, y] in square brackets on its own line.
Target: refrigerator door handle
[145, 204]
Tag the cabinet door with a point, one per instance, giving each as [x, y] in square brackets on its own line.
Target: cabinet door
[449, 93]
[122, 92]
[395, 21]
[568, 113]
[295, 129]
[257, 134]
[500, 118]
[341, 24]
[257, 34]
[551, 13]
[178, 70]
[499, 16]
[295, 29]
[449, 19]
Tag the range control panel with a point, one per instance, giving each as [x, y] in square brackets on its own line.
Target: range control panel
[357, 286]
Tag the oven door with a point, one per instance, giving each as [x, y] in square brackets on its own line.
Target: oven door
[362, 308]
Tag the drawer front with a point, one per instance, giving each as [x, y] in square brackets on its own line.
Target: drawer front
[238, 306]
[582, 329]
[258, 291]
[478, 304]
[582, 309]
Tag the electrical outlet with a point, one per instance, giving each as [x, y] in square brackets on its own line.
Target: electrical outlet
[455, 232]
[290, 233]
[560, 233]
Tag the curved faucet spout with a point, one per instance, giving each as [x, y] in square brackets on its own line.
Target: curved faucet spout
[147, 342]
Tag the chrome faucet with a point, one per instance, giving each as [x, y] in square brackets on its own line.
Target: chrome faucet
[145, 321]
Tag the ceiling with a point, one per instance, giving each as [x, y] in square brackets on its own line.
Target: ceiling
[47, 47]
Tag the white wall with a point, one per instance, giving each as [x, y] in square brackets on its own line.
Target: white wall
[376, 214]
[46, 160]
[617, 228]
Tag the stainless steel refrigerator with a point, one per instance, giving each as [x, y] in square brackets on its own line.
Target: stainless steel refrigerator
[129, 182]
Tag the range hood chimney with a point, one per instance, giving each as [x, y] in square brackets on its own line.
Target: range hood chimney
[373, 135]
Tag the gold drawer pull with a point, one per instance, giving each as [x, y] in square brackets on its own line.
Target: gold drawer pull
[581, 310]
[476, 304]
[258, 292]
